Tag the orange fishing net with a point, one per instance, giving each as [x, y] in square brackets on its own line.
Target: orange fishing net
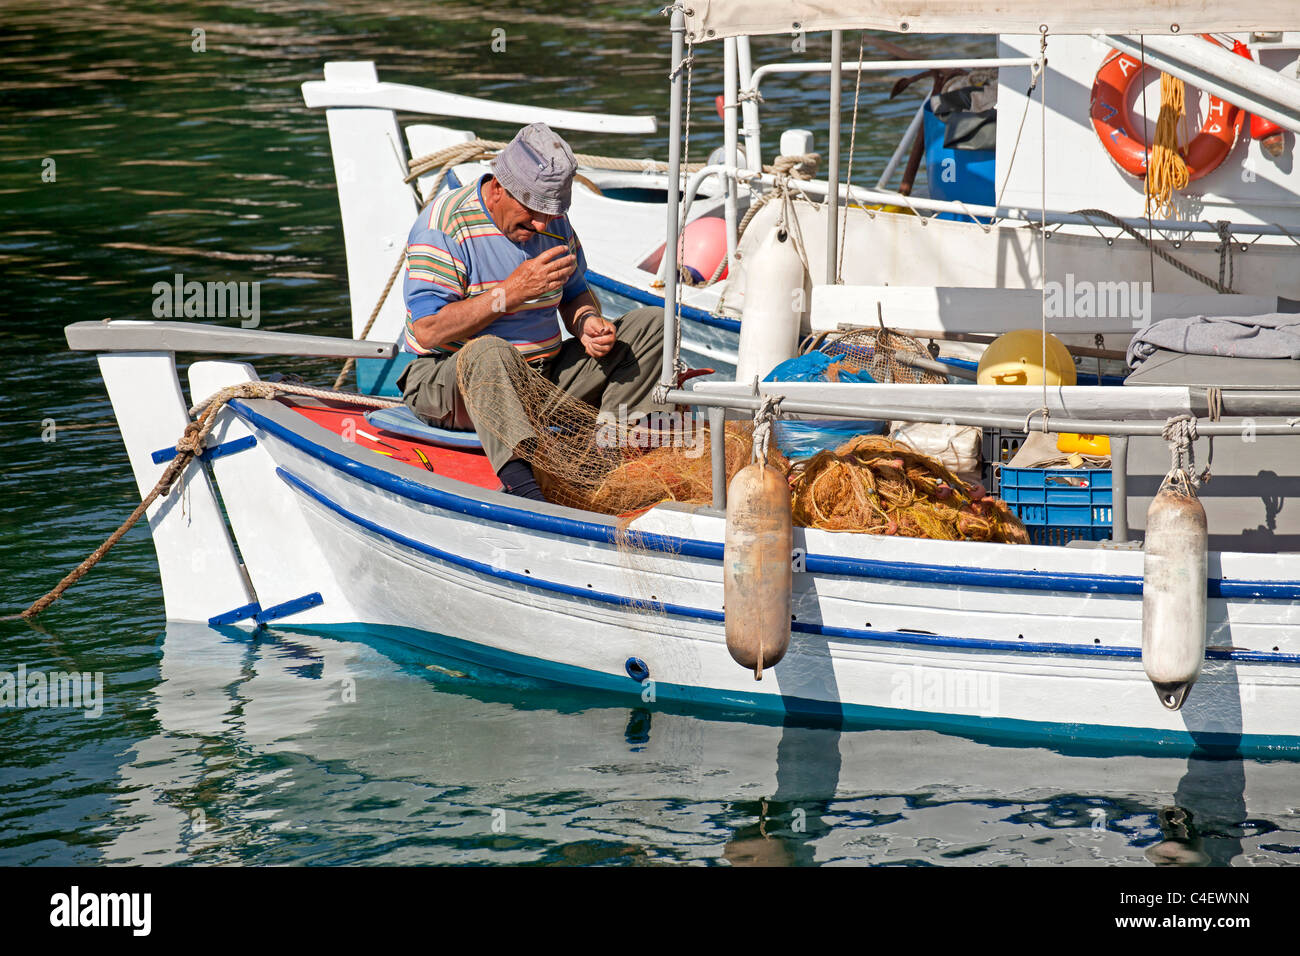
[882, 487]
[596, 463]
[593, 461]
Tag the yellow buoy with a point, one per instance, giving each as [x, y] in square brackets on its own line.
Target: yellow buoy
[1016, 358]
[756, 571]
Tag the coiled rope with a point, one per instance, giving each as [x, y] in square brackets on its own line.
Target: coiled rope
[188, 446]
[1167, 170]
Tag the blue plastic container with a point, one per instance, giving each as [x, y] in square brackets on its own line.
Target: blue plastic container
[964, 175]
[1058, 505]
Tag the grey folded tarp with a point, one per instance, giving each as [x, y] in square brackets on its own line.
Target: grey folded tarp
[1272, 336]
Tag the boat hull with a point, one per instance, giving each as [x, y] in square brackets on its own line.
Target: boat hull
[1017, 643]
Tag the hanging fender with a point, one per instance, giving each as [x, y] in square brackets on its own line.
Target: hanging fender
[1116, 127]
[1274, 140]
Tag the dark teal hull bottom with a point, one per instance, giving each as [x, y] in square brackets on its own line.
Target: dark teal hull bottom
[1082, 739]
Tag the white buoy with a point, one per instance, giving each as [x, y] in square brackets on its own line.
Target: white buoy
[757, 575]
[1173, 593]
[774, 306]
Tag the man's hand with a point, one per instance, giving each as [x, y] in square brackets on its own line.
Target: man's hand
[597, 335]
[539, 276]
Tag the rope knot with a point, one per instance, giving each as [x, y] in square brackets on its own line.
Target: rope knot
[796, 165]
[767, 413]
[1180, 432]
[1030, 417]
[191, 439]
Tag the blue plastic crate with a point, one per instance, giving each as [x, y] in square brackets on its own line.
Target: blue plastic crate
[1058, 505]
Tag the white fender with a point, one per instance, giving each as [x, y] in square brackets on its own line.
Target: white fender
[774, 306]
[1173, 594]
[757, 575]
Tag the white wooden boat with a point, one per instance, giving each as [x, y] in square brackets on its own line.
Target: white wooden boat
[1015, 642]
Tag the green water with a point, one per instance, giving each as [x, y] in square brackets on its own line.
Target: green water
[292, 748]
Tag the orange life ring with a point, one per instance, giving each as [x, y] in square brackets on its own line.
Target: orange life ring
[1115, 124]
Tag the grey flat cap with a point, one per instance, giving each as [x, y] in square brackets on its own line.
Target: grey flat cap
[537, 169]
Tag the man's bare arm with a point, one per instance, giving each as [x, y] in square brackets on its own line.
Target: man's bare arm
[534, 278]
[584, 321]
[576, 310]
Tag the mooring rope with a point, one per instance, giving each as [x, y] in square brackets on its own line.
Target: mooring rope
[188, 446]
[374, 314]
[842, 236]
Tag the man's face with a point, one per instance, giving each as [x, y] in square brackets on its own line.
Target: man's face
[513, 218]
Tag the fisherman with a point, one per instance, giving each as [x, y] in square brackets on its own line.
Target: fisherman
[498, 257]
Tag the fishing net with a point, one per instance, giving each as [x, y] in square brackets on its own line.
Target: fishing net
[595, 462]
[883, 354]
[879, 486]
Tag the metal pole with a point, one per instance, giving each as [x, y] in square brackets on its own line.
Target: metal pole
[718, 451]
[817, 188]
[833, 158]
[1119, 491]
[887, 66]
[904, 145]
[749, 109]
[678, 28]
[729, 121]
[1089, 426]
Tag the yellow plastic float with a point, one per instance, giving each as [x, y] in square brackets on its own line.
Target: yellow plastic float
[1016, 358]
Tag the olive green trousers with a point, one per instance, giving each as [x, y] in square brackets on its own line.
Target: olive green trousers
[627, 377]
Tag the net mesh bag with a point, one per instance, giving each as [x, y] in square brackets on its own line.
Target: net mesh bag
[877, 351]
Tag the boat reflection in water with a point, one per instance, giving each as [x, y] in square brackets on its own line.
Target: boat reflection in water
[291, 747]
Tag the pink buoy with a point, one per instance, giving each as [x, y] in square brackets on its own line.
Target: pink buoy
[704, 245]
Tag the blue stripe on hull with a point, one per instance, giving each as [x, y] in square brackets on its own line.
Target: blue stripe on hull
[710, 615]
[1072, 582]
[649, 298]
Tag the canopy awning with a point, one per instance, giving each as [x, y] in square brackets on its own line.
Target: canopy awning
[714, 19]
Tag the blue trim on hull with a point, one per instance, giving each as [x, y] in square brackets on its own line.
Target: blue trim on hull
[1077, 738]
[717, 617]
[208, 454]
[238, 614]
[649, 298]
[313, 599]
[852, 567]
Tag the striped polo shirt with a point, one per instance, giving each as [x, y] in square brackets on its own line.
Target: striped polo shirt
[455, 251]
